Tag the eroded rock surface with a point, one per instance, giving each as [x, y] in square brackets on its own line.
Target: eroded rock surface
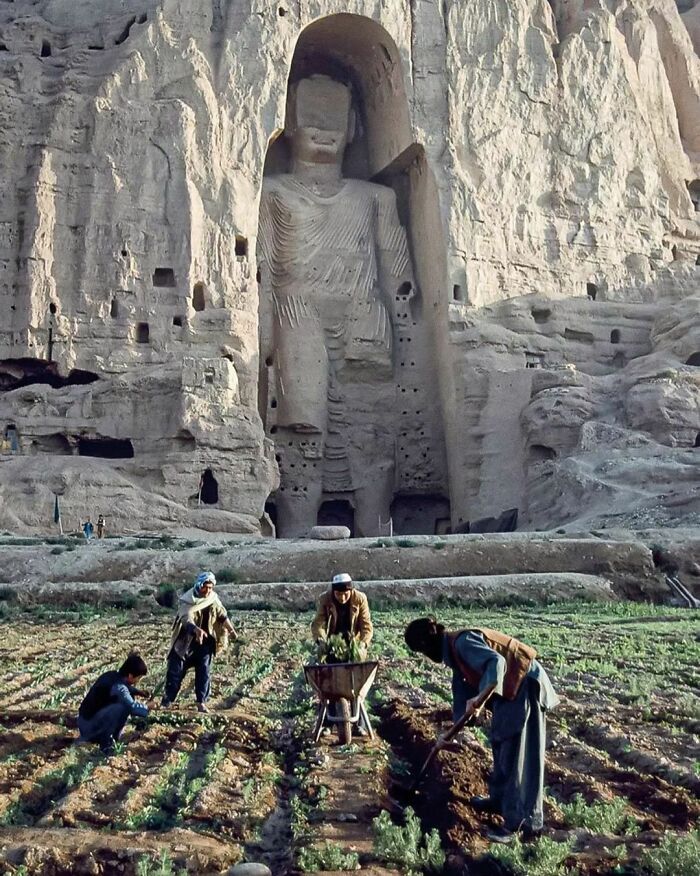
[540, 335]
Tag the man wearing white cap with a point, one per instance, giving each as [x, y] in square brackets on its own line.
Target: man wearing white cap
[343, 611]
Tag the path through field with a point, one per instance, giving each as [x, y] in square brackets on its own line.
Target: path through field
[200, 792]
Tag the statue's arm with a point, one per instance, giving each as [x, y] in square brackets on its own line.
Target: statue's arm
[265, 260]
[265, 257]
[392, 247]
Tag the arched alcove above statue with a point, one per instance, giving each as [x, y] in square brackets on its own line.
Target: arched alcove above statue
[358, 51]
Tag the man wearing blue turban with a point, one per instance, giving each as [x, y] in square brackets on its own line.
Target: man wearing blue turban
[200, 630]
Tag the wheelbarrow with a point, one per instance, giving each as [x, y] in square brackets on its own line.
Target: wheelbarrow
[346, 685]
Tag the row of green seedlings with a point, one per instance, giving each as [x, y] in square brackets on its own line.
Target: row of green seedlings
[248, 675]
[174, 795]
[598, 740]
[25, 810]
[676, 855]
[405, 846]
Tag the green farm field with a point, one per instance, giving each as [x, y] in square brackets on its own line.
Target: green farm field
[197, 793]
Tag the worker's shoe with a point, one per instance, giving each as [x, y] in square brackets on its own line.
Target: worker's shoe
[202, 707]
[504, 836]
[501, 835]
[484, 804]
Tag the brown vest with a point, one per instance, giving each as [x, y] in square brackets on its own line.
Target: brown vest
[518, 657]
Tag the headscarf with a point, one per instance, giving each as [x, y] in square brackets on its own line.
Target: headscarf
[426, 636]
[201, 580]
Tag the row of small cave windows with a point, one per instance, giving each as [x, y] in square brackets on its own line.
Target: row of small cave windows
[46, 50]
[458, 292]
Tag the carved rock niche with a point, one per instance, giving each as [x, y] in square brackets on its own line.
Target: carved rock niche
[349, 237]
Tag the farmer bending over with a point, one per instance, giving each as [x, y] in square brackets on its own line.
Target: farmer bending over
[199, 631]
[110, 701]
[343, 611]
[486, 663]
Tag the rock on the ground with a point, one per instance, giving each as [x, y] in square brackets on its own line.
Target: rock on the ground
[329, 533]
[250, 869]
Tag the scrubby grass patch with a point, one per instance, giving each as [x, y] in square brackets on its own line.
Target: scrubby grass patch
[412, 850]
[600, 817]
[162, 866]
[229, 576]
[329, 856]
[545, 857]
[674, 856]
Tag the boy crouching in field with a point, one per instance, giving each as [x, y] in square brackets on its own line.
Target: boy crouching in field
[110, 701]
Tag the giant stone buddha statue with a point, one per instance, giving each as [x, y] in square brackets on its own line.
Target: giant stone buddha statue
[332, 255]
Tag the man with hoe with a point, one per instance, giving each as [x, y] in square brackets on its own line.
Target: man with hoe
[487, 664]
[200, 630]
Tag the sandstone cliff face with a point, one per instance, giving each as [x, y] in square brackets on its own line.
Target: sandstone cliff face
[554, 205]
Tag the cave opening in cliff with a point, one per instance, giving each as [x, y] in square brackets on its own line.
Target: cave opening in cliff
[241, 247]
[45, 49]
[419, 514]
[697, 440]
[693, 359]
[591, 291]
[694, 192]
[209, 488]
[346, 79]
[541, 453]
[164, 277]
[12, 437]
[271, 511]
[105, 448]
[615, 336]
[56, 444]
[198, 302]
[336, 512]
[143, 333]
[16, 373]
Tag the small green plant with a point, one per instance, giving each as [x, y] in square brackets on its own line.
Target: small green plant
[163, 866]
[166, 594]
[674, 856]
[600, 817]
[228, 576]
[329, 856]
[405, 542]
[336, 649]
[545, 857]
[414, 851]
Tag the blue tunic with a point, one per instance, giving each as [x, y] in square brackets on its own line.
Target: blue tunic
[517, 727]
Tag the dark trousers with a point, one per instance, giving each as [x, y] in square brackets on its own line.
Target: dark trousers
[518, 768]
[105, 726]
[201, 658]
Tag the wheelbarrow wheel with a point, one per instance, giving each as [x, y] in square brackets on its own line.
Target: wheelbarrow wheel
[344, 725]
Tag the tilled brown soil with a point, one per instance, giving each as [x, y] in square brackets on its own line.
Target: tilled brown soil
[460, 771]
[209, 790]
